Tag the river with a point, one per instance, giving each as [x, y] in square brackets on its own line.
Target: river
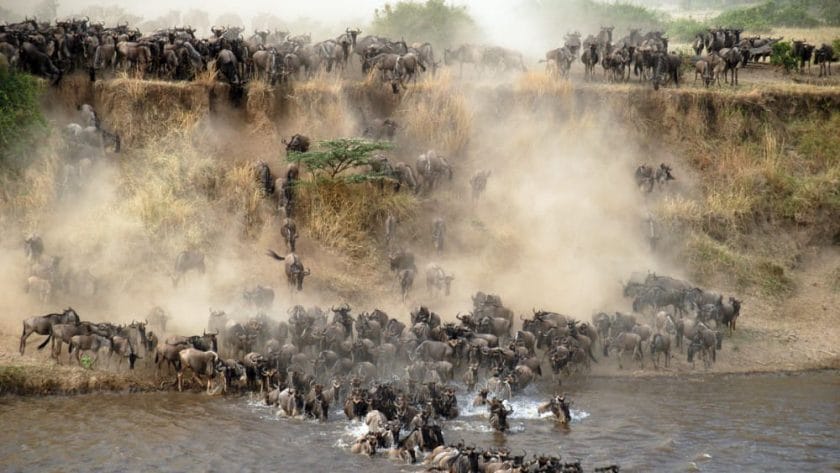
[716, 423]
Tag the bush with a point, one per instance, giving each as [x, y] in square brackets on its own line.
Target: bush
[684, 29]
[334, 157]
[433, 21]
[20, 113]
[782, 55]
[762, 17]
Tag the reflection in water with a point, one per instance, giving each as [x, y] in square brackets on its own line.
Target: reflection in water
[777, 423]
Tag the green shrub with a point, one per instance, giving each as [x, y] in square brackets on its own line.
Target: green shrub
[684, 29]
[433, 21]
[782, 55]
[20, 113]
[760, 18]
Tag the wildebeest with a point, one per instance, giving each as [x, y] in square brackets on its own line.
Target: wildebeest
[405, 277]
[264, 178]
[824, 56]
[402, 259]
[33, 247]
[295, 272]
[92, 342]
[289, 231]
[41, 288]
[260, 296]
[437, 280]
[390, 229]
[626, 342]
[297, 143]
[438, 234]
[478, 182]
[432, 167]
[202, 363]
[667, 68]
[590, 59]
[380, 128]
[42, 325]
[660, 345]
[404, 175]
[186, 261]
[432, 350]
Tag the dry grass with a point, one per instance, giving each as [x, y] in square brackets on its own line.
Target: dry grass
[143, 111]
[540, 83]
[347, 216]
[434, 112]
[28, 380]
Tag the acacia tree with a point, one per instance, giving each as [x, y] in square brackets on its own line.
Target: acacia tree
[332, 158]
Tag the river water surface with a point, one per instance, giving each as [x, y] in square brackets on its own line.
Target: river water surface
[722, 423]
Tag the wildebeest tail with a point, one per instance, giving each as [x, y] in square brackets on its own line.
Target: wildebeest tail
[44, 343]
[274, 255]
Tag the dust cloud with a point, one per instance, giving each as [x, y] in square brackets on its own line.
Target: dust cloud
[560, 226]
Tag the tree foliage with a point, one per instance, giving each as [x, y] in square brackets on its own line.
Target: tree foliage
[782, 55]
[20, 112]
[332, 159]
[793, 13]
[433, 21]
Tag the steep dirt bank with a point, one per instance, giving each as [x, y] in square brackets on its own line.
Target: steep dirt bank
[753, 212]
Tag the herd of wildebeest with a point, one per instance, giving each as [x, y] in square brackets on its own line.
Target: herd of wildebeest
[400, 375]
[53, 50]
[402, 379]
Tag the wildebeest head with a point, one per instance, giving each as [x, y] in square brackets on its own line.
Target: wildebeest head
[297, 143]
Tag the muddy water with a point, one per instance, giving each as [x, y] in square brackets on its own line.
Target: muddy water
[728, 423]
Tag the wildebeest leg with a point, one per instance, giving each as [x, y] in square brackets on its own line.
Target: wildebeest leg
[24, 336]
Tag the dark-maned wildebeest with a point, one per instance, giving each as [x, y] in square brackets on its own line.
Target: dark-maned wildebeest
[260, 296]
[380, 128]
[437, 280]
[590, 59]
[295, 272]
[402, 259]
[405, 277]
[33, 247]
[824, 56]
[667, 69]
[42, 325]
[264, 178]
[289, 232]
[186, 261]
[297, 143]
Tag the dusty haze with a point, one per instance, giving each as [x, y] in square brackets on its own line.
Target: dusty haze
[561, 223]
